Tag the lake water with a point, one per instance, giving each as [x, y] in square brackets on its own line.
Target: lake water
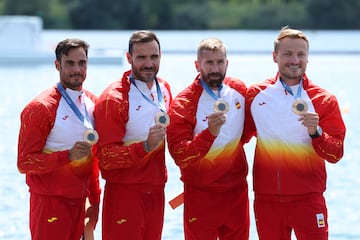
[334, 65]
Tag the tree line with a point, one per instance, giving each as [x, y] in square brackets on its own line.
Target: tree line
[188, 14]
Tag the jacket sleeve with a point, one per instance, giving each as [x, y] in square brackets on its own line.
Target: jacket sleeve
[185, 148]
[249, 125]
[36, 123]
[111, 115]
[330, 145]
[94, 184]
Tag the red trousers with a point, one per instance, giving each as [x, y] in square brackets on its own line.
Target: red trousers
[56, 218]
[216, 215]
[277, 216]
[132, 214]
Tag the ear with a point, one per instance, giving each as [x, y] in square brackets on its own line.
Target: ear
[197, 66]
[274, 56]
[128, 57]
[57, 65]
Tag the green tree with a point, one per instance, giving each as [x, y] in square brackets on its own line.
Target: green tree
[334, 14]
[188, 14]
[53, 12]
[127, 14]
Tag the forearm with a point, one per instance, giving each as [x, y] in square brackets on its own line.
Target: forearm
[187, 151]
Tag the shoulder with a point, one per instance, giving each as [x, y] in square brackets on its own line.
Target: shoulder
[236, 84]
[90, 95]
[255, 88]
[163, 82]
[316, 92]
[115, 97]
[47, 101]
[117, 90]
[188, 97]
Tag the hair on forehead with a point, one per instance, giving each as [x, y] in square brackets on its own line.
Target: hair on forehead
[142, 36]
[287, 32]
[66, 45]
[212, 44]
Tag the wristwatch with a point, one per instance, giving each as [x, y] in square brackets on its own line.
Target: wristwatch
[318, 132]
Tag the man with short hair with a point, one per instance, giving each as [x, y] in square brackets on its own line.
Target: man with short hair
[131, 119]
[55, 150]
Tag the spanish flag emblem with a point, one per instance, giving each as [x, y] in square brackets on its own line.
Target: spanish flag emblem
[237, 104]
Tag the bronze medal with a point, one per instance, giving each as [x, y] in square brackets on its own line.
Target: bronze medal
[91, 136]
[299, 106]
[162, 118]
[221, 106]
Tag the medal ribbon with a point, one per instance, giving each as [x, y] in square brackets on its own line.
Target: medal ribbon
[161, 104]
[70, 102]
[209, 91]
[288, 89]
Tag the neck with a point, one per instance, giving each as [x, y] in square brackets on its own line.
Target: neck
[74, 88]
[149, 84]
[290, 82]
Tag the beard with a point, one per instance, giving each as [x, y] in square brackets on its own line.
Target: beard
[145, 74]
[73, 81]
[214, 80]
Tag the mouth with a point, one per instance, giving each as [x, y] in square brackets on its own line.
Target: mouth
[76, 76]
[294, 67]
[147, 70]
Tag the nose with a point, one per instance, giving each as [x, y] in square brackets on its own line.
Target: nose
[215, 68]
[294, 59]
[148, 63]
[77, 68]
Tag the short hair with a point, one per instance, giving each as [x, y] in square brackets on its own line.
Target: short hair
[65, 45]
[212, 44]
[291, 33]
[142, 36]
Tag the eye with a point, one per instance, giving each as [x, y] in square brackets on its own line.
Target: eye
[70, 63]
[155, 57]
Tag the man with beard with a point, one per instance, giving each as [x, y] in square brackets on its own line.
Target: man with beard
[298, 126]
[55, 150]
[131, 119]
[204, 139]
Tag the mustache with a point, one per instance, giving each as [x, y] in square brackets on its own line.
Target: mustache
[76, 75]
[147, 69]
[215, 74]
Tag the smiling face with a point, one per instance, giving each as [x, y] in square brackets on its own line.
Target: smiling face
[145, 60]
[72, 68]
[292, 58]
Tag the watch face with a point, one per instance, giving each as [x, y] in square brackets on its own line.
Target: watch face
[319, 130]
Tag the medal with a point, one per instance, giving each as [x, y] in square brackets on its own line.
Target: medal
[299, 106]
[221, 106]
[162, 118]
[90, 136]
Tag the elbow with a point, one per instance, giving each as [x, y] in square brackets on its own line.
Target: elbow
[335, 159]
[21, 168]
